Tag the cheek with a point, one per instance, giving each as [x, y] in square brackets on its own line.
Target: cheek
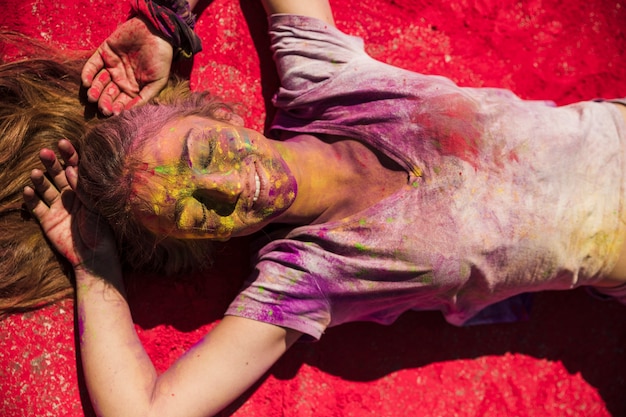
[225, 227]
[153, 201]
[159, 200]
[155, 222]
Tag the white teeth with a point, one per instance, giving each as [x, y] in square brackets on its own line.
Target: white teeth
[257, 191]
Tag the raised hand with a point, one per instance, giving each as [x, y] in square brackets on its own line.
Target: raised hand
[79, 234]
[130, 67]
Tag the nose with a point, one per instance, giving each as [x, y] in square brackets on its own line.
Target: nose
[216, 188]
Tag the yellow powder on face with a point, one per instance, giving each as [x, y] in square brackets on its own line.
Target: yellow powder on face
[227, 224]
[158, 195]
[156, 189]
[185, 217]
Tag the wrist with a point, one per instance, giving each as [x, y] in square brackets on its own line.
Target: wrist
[173, 20]
[105, 266]
[86, 278]
[182, 8]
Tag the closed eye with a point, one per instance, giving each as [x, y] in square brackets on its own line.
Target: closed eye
[203, 144]
[206, 156]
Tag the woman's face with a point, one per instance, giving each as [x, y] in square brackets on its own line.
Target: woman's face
[203, 178]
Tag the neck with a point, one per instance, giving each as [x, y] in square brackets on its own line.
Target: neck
[334, 178]
[313, 164]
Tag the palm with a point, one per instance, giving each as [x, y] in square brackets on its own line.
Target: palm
[131, 66]
[74, 231]
[57, 225]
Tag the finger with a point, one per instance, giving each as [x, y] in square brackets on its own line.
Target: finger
[134, 102]
[70, 157]
[121, 102]
[93, 65]
[72, 176]
[152, 90]
[44, 188]
[54, 169]
[98, 85]
[33, 203]
[146, 94]
[124, 78]
[105, 103]
[68, 153]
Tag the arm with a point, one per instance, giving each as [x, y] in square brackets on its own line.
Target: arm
[130, 67]
[319, 9]
[122, 380]
[120, 377]
[133, 64]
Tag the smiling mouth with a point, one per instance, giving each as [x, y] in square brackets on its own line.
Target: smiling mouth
[257, 190]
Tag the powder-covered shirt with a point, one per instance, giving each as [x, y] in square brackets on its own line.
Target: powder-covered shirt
[504, 196]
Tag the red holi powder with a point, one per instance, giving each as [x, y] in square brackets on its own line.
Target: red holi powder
[449, 123]
[567, 360]
[133, 102]
[104, 77]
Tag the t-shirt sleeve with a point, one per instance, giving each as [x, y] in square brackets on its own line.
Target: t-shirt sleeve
[284, 295]
[331, 86]
[308, 52]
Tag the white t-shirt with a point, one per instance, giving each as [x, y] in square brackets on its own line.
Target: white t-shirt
[504, 196]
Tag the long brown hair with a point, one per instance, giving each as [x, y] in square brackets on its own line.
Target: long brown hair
[39, 104]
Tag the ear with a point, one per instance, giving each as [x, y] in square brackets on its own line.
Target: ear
[227, 115]
[236, 120]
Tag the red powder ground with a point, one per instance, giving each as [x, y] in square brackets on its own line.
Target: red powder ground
[568, 360]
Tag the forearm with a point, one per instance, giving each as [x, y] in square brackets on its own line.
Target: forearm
[121, 378]
[119, 374]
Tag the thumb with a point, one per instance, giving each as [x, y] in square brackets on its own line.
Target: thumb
[150, 91]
